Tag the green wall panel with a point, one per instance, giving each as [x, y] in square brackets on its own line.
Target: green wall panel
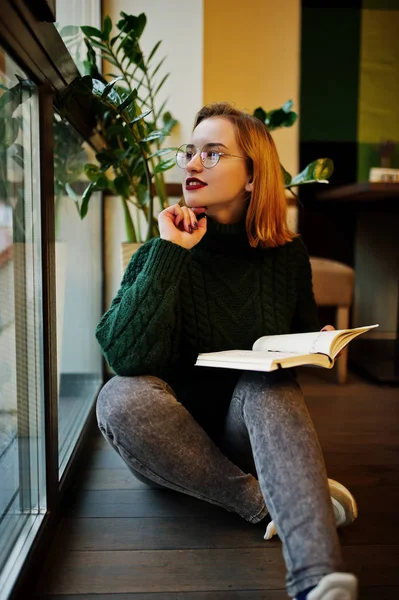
[379, 77]
[329, 74]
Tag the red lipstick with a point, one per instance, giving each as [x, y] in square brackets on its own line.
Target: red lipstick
[192, 183]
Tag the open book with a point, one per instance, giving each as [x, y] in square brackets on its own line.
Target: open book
[273, 352]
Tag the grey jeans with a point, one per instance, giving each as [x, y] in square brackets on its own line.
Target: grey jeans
[267, 460]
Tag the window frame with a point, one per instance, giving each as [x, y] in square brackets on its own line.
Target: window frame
[29, 36]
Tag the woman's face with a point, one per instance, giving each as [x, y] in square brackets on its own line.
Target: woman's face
[223, 188]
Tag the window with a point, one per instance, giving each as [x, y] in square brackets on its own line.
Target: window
[30, 483]
[78, 286]
[22, 435]
[78, 253]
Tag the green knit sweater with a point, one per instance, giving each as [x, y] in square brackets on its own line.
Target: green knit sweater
[222, 294]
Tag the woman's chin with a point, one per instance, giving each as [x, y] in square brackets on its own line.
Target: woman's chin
[193, 202]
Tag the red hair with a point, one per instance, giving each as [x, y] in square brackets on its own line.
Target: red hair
[266, 220]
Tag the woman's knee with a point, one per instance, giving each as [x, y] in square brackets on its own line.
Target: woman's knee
[128, 399]
[262, 387]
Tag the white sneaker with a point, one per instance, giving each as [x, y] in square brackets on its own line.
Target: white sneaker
[335, 586]
[344, 505]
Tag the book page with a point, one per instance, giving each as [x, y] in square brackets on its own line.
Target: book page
[324, 342]
[298, 343]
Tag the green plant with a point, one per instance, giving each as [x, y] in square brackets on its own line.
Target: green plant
[69, 160]
[128, 120]
[14, 151]
[69, 155]
[317, 171]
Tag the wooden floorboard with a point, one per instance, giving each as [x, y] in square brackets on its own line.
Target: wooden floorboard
[139, 503]
[123, 540]
[201, 570]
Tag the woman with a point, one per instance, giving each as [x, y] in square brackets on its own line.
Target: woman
[225, 271]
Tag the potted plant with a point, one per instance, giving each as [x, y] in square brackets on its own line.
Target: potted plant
[132, 162]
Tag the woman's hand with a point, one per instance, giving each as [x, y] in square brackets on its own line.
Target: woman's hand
[331, 328]
[328, 328]
[179, 225]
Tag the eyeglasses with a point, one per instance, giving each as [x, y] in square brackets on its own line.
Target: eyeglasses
[209, 157]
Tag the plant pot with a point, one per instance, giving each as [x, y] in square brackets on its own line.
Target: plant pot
[127, 251]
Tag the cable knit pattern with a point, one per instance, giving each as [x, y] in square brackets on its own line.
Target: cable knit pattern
[223, 294]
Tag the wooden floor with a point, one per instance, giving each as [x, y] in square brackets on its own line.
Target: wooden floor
[121, 540]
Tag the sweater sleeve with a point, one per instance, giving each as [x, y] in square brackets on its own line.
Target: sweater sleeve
[139, 333]
[305, 317]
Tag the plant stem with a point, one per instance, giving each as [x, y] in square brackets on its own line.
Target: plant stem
[129, 226]
[159, 179]
[161, 187]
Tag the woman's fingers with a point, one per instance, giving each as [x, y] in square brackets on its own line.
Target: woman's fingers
[179, 224]
[185, 218]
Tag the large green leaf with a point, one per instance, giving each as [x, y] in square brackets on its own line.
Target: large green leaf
[92, 172]
[69, 30]
[102, 182]
[87, 194]
[155, 48]
[107, 27]
[122, 186]
[154, 135]
[160, 111]
[91, 54]
[160, 85]
[317, 171]
[260, 114]
[92, 32]
[103, 47]
[108, 88]
[140, 117]
[127, 101]
[165, 165]
[10, 100]
[96, 176]
[132, 24]
[98, 89]
[159, 65]
[9, 129]
[106, 158]
[280, 117]
[169, 123]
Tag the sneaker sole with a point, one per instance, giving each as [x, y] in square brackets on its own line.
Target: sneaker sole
[339, 494]
[342, 495]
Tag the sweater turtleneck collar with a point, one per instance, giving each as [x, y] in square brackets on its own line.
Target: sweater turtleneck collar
[225, 238]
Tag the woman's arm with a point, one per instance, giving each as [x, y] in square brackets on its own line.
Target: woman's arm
[140, 331]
